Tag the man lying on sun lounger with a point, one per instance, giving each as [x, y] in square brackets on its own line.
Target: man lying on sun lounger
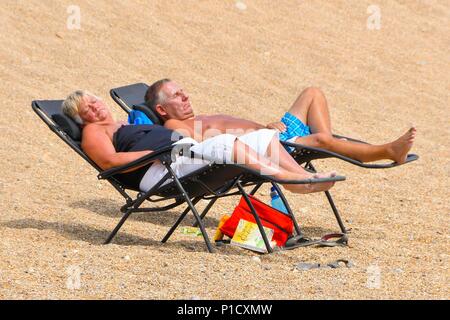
[307, 122]
[111, 143]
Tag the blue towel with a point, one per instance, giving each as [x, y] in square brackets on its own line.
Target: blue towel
[138, 117]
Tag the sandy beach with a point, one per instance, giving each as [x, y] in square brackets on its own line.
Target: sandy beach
[383, 68]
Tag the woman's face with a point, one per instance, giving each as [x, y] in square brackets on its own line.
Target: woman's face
[92, 109]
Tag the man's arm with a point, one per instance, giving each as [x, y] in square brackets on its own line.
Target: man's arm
[99, 148]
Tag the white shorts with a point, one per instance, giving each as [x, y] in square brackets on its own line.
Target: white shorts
[218, 149]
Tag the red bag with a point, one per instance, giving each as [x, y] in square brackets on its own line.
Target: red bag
[270, 217]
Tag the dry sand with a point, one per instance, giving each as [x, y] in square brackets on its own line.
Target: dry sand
[252, 63]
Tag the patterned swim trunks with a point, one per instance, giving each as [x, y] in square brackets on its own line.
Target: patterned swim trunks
[294, 128]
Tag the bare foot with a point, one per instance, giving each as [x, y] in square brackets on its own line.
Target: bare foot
[324, 186]
[312, 187]
[399, 148]
[324, 175]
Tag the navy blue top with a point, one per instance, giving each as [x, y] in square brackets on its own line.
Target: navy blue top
[139, 138]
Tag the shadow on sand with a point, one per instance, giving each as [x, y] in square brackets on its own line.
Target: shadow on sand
[111, 208]
[94, 236]
[82, 232]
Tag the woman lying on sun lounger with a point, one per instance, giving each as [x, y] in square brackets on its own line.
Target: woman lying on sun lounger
[111, 143]
[307, 122]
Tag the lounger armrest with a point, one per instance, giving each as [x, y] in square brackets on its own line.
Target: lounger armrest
[349, 139]
[331, 153]
[284, 181]
[410, 157]
[156, 155]
[164, 154]
[312, 180]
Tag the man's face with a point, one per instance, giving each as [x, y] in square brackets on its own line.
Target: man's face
[176, 104]
[92, 109]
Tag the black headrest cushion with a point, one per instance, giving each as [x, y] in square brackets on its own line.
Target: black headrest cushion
[148, 112]
[68, 126]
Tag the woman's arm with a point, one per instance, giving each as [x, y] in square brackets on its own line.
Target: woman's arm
[98, 146]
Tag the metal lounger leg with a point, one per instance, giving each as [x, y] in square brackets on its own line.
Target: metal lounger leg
[180, 218]
[256, 188]
[119, 225]
[288, 207]
[333, 206]
[336, 212]
[206, 210]
[192, 207]
[129, 210]
[283, 198]
[255, 215]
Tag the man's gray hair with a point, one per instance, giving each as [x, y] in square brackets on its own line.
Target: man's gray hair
[155, 95]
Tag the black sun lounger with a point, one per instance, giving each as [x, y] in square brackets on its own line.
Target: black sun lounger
[132, 97]
[209, 183]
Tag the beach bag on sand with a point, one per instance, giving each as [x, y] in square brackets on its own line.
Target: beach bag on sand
[270, 218]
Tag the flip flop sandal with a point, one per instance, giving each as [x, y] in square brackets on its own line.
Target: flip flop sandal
[341, 240]
[302, 266]
[326, 241]
[222, 242]
[341, 263]
[299, 241]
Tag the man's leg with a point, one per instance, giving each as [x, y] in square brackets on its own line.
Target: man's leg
[260, 163]
[278, 154]
[312, 109]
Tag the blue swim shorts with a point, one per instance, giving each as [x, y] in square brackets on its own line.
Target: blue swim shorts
[294, 128]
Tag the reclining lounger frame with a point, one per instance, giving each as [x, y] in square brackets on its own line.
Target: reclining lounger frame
[132, 97]
[202, 184]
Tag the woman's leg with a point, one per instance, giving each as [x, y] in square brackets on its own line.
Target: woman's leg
[279, 155]
[266, 143]
[264, 165]
[312, 109]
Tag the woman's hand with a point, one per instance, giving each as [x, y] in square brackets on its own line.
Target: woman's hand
[280, 126]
